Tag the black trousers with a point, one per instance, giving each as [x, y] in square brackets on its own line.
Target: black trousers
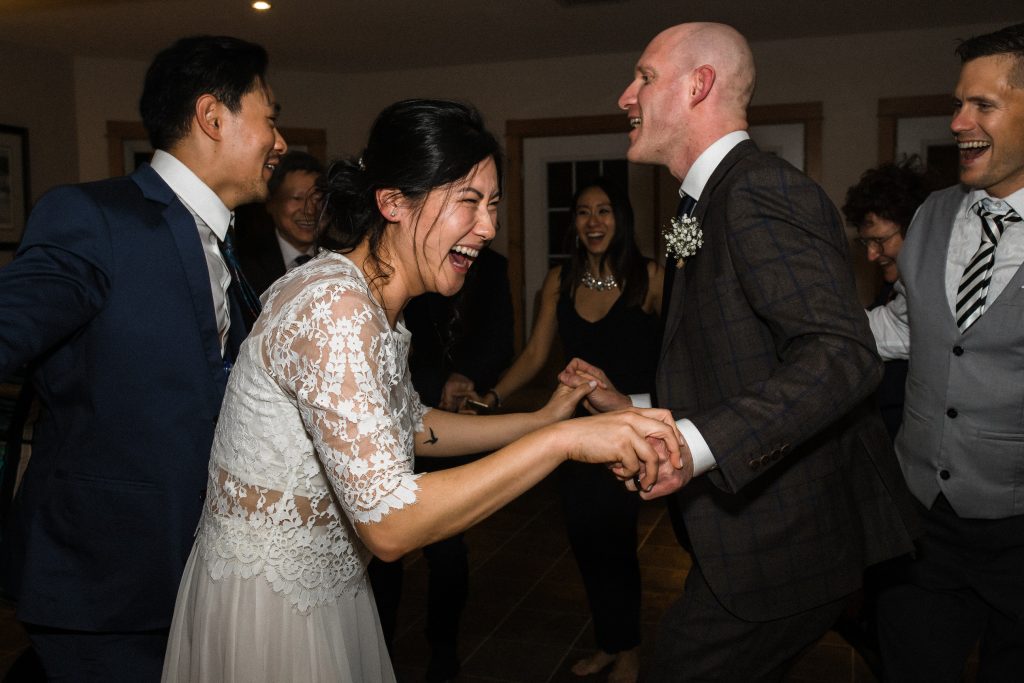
[700, 641]
[966, 584]
[447, 589]
[88, 657]
[600, 518]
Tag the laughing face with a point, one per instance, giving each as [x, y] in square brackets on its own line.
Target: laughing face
[654, 103]
[595, 220]
[454, 224]
[293, 209]
[988, 124]
[883, 239]
[252, 147]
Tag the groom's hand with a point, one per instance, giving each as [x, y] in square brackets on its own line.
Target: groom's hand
[673, 474]
[604, 397]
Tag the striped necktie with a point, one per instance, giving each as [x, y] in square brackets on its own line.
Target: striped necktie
[973, 289]
[247, 299]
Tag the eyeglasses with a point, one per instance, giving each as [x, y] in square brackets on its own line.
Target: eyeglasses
[879, 242]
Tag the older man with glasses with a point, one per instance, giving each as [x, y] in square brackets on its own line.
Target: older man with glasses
[880, 206]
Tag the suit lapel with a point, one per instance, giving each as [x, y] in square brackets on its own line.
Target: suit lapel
[707, 198]
[190, 254]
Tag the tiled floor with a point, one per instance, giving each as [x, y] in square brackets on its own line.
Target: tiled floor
[527, 619]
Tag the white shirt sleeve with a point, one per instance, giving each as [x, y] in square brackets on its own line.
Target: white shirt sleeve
[890, 325]
[703, 460]
[641, 400]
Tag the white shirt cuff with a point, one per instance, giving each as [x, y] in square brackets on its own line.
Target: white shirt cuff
[703, 461]
[640, 400]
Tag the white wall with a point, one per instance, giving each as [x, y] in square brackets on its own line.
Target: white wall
[847, 73]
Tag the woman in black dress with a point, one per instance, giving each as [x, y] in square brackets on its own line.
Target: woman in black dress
[605, 305]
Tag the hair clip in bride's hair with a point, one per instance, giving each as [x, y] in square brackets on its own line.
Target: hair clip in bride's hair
[362, 166]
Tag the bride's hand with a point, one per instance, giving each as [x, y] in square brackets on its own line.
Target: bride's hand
[628, 441]
[605, 396]
[564, 400]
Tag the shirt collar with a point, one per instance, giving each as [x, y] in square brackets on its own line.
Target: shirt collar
[1015, 200]
[288, 252]
[700, 172]
[193, 192]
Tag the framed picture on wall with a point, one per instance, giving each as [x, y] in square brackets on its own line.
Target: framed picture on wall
[14, 195]
[790, 131]
[919, 126]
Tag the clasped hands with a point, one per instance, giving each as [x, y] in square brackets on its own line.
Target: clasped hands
[675, 465]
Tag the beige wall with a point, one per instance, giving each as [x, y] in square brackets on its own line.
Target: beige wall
[848, 74]
[37, 92]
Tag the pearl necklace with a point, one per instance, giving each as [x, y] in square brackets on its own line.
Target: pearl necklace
[598, 284]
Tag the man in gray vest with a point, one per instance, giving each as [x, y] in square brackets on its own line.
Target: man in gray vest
[961, 446]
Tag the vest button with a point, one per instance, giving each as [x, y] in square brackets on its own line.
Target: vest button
[944, 474]
[951, 412]
[958, 350]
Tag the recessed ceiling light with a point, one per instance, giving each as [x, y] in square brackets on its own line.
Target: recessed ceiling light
[261, 5]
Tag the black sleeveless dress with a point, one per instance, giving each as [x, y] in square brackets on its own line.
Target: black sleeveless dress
[600, 514]
[624, 343]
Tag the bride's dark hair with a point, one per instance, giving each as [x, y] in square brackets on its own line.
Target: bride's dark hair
[415, 146]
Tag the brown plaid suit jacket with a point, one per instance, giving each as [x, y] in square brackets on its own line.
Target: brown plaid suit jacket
[768, 352]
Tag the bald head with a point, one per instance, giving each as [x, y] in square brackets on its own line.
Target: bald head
[690, 87]
[722, 48]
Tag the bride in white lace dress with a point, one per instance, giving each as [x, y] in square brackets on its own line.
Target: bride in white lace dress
[311, 469]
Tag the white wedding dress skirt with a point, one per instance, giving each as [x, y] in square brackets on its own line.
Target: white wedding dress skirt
[241, 630]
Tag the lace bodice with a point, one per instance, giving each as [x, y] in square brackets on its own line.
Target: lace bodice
[316, 433]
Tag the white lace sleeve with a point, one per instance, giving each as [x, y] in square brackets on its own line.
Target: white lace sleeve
[348, 372]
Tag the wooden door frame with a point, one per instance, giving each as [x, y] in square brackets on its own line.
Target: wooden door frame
[518, 130]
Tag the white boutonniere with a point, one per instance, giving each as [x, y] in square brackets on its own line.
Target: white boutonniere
[683, 238]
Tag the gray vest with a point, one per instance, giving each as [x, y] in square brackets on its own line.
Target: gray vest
[963, 420]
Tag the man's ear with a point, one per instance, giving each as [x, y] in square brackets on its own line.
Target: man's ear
[209, 116]
[701, 81]
[391, 204]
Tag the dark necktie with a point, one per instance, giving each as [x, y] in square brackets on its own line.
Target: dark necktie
[301, 259]
[973, 290]
[685, 208]
[246, 297]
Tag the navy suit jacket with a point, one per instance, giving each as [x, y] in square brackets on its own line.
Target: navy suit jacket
[109, 295]
[768, 352]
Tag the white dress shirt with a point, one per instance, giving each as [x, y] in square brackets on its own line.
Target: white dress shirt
[212, 221]
[290, 253]
[890, 323]
[693, 185]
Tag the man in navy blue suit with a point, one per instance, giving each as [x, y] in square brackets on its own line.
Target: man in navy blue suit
[121, 298]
